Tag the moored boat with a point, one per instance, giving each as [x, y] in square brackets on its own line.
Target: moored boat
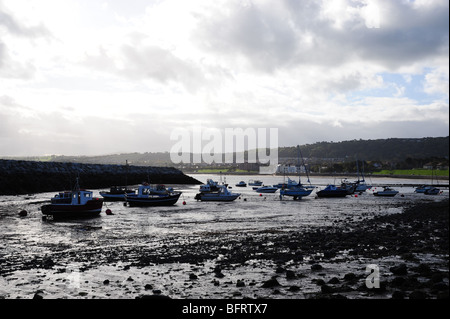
[266, 189]
[73, 204]
[296, 192]
[386, 192]
[145, 197]
[332, 191]
[422, 188]
[432, 191]
[255, 183]
[116, 193]
[222, 195]
[241, 184]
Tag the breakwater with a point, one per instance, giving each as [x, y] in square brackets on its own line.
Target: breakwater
[24, 177]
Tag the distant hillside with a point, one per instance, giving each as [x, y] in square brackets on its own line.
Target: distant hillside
[391, 150]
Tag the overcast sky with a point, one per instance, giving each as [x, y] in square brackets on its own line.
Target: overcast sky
[90, 77]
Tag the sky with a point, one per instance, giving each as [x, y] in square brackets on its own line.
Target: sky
[94, 77]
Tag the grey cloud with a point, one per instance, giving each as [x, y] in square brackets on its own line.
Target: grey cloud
[272, 40]
[13, 26]
[10, 67]
[142, 62]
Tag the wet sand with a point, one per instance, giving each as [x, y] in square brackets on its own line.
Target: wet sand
[410, 250]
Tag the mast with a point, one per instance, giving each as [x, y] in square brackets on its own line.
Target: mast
[298, 165]
[304, 164]
[126, 175]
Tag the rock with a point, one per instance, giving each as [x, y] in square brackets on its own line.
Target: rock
[38, 294]
[439, 286]
[329, 254]
[193, 276]
[423, 269]
[333, 281]
[399, 270]
[350, 276]
[398, 295]
[106, 282]
[290, 274]
[418, 294]
[294, 288]
[271, 283]
[325, 289]
[153, 297]
[130, 279]
[280, 270]
[23, 213]
[219, 275]
[316, 267]
[240, 283]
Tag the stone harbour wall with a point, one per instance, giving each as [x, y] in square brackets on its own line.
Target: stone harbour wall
[24, 177]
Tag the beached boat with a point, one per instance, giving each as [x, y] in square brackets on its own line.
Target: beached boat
[360, 184]
[432, 191]
[422, 188]
[349, 186]
[241, 184]
[332, 191]
[79, 203]
[296, 192]
[290, 183]
[210, 186]
[222, 195]
[116, 193]
[266, 189]
[387, 192]
[255, 183]
[145, 197]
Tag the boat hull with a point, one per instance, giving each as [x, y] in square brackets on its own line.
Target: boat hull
[208, 197]
[92, 208]
[296, 193]
[156, 200]
[266, 190]
[385, 194]
[337, 193]
[113, 197]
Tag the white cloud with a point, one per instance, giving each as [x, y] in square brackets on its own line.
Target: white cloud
[156, 65]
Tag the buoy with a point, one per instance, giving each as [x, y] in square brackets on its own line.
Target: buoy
[23, 213]
[356, 195]
[260, 194]
[109, 212]
[184, 202]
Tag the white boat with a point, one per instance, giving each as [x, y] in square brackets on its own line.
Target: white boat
[210, 186]
[387, 192]
[266, 189]
[222, 195]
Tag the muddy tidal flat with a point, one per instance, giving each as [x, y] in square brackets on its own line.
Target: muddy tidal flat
[257, 247]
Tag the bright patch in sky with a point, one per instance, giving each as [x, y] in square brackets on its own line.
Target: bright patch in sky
[82, 77]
